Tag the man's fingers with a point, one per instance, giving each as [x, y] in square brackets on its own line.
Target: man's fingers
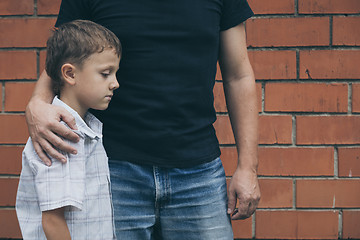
[65, 132]
[68, 119]
[241, 212]
[46, 131]
[39, 151]
[52, 152]
[231, 202]
[245, 209]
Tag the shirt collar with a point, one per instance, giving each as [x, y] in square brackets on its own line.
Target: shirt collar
[90, 125]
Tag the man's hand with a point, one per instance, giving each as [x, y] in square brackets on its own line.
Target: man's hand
[43, 120]
[244, 186]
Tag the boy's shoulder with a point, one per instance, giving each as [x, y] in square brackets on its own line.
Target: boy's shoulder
[29, 152]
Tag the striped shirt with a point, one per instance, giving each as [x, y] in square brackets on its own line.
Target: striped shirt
[81, 185]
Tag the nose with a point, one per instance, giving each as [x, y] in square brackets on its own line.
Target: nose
[114, 84]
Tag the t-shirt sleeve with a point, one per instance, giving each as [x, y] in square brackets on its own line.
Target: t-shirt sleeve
[61, 184]
[234, 12]
[72, 10]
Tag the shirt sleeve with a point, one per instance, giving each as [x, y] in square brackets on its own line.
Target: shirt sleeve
[60, 185]
[72, 10]
[234, 12]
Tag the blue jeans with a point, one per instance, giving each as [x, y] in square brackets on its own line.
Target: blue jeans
[170, 203]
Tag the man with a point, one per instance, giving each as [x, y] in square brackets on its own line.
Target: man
[161, 117]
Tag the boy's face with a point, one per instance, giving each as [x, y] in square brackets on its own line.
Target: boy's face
[96, 80]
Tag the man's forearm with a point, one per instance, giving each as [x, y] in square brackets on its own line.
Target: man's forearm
[242, 106]
[43, 88]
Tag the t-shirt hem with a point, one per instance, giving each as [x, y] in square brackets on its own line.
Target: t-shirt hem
[161, 163]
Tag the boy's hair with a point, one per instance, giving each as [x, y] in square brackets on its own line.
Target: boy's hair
[74, 42]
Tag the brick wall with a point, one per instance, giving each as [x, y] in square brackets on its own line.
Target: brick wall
[305, 54]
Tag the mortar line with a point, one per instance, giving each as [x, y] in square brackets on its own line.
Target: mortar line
[37, 64]
[297, 64]
[263, 97]
[340, 226]
[294, 193]
[331, 31]
[253, 226]
[336, 163]
[350, 90]
[2, 96]
[35, 8]
[293, 133]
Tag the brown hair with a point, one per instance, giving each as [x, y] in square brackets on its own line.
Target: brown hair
[74, 42]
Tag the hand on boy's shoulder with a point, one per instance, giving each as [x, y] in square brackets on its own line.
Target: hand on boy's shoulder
[76, 131]
[30, 155]
[44, 128]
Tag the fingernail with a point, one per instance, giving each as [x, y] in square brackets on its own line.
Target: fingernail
[229, 211]
[74, 152]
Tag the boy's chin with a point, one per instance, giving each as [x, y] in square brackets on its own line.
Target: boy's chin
[101, 107]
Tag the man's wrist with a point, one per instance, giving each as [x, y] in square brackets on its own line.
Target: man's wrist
[248, 164]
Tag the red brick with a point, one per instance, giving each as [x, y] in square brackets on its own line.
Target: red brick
[346, 31]
[229, 159]
[327, 130]
[12, 92]
[351, 225]
[272, 7]
[306, 97]
[296, 161]
[309, 31]
[8, 188]
[329, 6]
[25, 32]
[349, 162]
[356, 98]
[18, 7]
[242, 228]
[276, 193]
[224, 130]
[42, 60]
[9, 226]
[1, 97]
[10, 62]
[273, 64]
[13, 129]
[10, 158]
[275, 129]
[218, 72]
[297, 224]
[220, 103]
[328, 193]
[48, 7]
[329, 64]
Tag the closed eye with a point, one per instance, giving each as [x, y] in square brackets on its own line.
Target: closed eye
[105, 75]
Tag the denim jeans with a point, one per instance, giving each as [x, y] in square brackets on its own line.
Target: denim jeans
[170, 203]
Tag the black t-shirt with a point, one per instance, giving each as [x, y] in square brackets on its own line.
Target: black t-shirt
[163, 112]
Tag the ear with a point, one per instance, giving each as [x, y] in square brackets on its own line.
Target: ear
[68, 73]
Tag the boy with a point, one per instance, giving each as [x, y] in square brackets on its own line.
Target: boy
[73, 200]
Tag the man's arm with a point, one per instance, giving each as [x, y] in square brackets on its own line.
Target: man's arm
[240, 93]
[54, 225]
[43, 123]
